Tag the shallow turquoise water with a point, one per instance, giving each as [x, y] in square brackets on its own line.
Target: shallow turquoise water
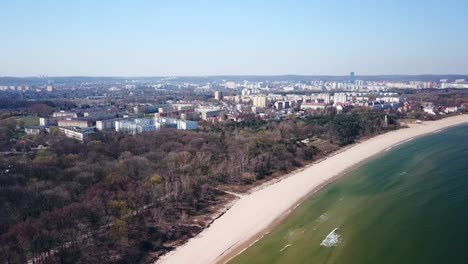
[409, 205]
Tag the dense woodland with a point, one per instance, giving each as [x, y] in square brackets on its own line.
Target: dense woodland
[124, 199]
[446, 97]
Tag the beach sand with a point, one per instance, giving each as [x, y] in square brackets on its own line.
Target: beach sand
[254, 214]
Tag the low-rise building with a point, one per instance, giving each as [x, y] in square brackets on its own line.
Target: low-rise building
[449, 110]
[187, 125]
[35, 130]
[429, 108]
[454, 85]
[388, 99]
[107, 124]
[74, 123]
[183, 106]
[78, 133]
[65, 114]
[175, 123]
[135, 126]
[45, 121]
[206, 113]
[312, 105]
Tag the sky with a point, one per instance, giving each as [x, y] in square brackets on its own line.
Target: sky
[197, 37]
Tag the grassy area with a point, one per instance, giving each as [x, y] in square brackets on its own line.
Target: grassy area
[27, 120]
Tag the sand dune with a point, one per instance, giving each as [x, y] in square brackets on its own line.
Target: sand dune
[253, 214]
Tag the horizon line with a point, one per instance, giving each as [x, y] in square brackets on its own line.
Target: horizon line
[229, 75]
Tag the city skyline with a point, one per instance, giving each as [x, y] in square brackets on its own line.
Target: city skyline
[207, 38]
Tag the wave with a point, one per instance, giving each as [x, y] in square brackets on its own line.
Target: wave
[404, 141]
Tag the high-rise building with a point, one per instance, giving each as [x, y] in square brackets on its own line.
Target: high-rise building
[260, 101]
[325, 97]
[218, 95]
[352, 78]
[340, 98]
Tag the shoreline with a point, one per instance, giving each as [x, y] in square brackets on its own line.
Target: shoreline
[255, 214]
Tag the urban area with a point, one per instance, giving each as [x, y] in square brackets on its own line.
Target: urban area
[123, 170]
[181, 103]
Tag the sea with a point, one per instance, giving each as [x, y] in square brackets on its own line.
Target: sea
[407, 205]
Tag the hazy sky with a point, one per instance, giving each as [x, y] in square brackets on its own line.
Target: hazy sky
[196, 37]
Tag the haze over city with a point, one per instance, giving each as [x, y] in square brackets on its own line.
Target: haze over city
[181, 38]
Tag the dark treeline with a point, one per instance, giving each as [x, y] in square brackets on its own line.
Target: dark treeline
[124, 199]
[29, 105]
[446, 97]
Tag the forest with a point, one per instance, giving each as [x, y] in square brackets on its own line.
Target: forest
[124, 199]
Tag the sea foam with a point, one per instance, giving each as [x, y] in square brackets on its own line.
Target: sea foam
[331, 239]
[322, 218]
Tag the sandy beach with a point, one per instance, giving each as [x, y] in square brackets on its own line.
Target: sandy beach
[254, 214]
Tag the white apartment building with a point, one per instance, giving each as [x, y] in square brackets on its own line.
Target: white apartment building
[454, 85]
[175, 123]
[452, 109]
[260, 101]
[80, 134]
[388, 99]
[340, 98]
[135, 126]
[312, 105]
[218, 95]
[186, 125]
[325, 97]
[230, 85]
[65, 114]
[107, 124]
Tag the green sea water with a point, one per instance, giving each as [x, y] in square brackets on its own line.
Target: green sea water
[409, 205]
